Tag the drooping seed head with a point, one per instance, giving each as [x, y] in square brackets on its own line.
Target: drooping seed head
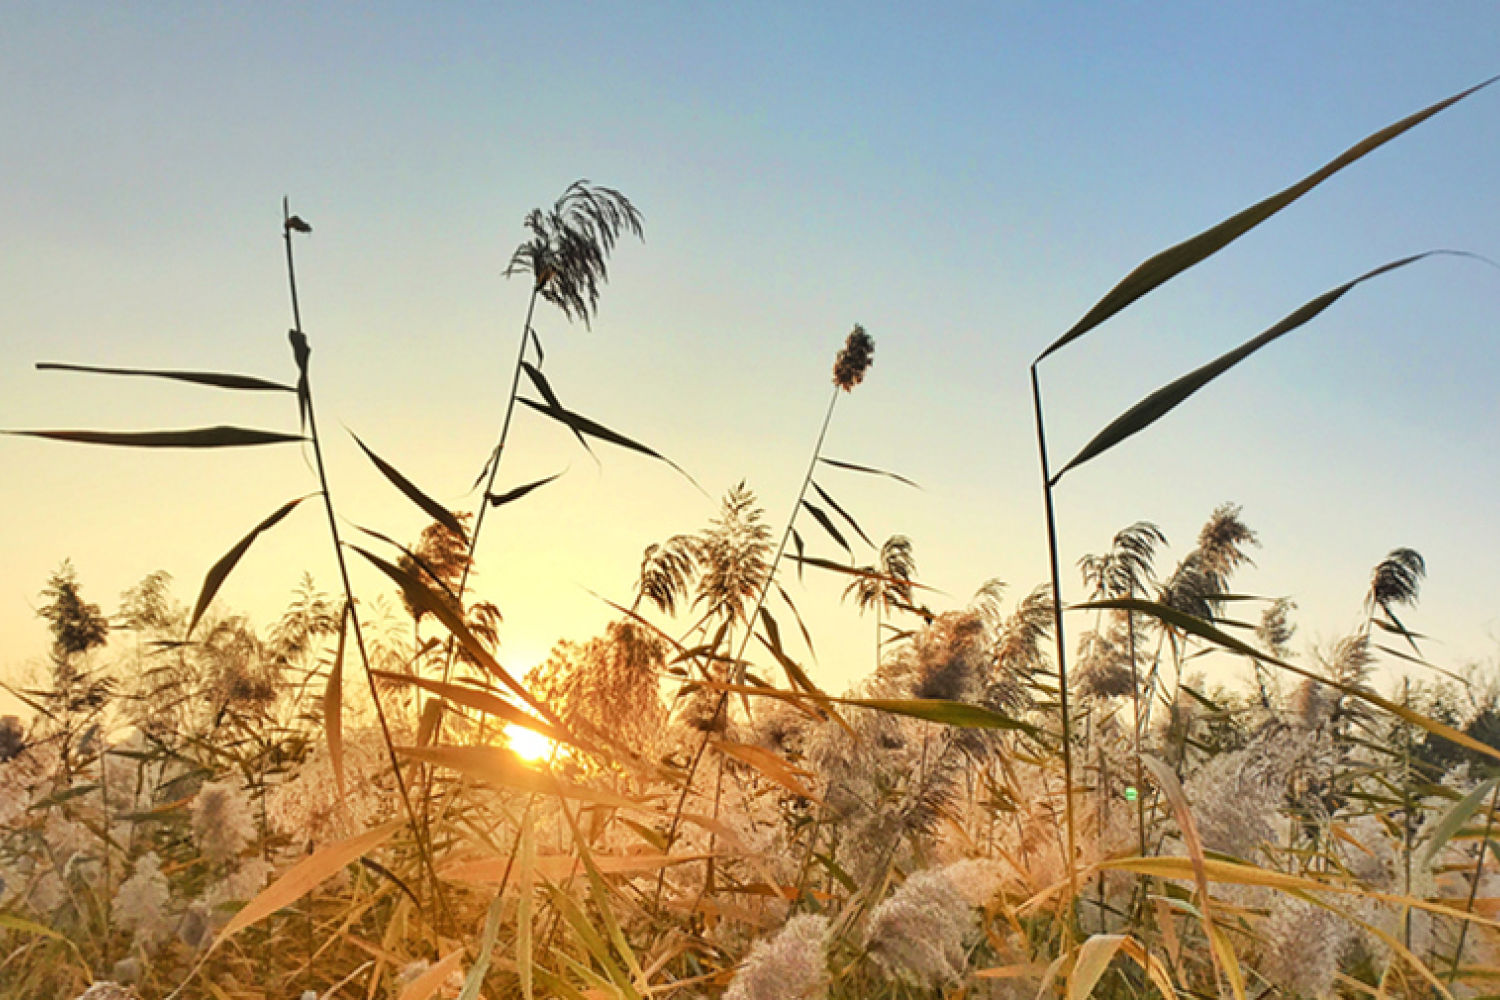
[854, 359]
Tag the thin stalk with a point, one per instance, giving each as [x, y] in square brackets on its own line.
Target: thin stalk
[765, 589]
[1484, 842]
[338, 551]
[1057, 620]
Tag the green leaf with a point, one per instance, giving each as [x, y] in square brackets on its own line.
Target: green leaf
[851, 467]
[948, 713]
[1164, 400]
[498, 499]
[830, 501]
[198, 437]
[221, 569]
[219, 380]
[481, 966]
[1454, 819]
[1171, 262]
[433, 509]
[1202, 629]
[828, 526]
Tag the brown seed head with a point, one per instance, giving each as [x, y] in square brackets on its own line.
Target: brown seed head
[854, 359]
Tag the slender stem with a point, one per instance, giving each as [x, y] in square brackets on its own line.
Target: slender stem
[765, 589]
[338, 551]
[1057, 620]
[1484, 842]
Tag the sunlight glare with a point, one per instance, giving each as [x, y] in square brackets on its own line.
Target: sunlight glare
[526, 743]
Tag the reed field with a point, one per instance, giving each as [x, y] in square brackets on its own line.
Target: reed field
[1019, 799]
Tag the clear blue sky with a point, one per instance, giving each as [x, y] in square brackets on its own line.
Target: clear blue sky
[964, 180]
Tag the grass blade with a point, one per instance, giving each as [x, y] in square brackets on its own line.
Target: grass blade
[305, 876]
[423, 597]
[768, 764]
[218, 380]
[545, 388]
[197, 437]
[526, 890]
[581, 425]
[428, 982]
[502, 767]
[433, 509]
[221, 569]
[841, 512]
[1173, 261]
[1202, 629]
[851, 467]
[828, 526]
[1168, 397]
[1094, 956]
[482, 701]
[499, 499]
[481, 966]
[1454, 819]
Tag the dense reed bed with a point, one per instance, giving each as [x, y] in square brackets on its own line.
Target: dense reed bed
[1019, 799]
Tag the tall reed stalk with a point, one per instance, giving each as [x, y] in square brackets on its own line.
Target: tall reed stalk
[303, 353]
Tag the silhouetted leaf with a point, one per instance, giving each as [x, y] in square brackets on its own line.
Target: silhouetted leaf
[828, 526]
[482, 701]
[302, 354]
[221, 569]
[421, 596]
[867, 469]
[1171, 262]
[218, 380]
[541, 356]
[417, 560]
[797, 541]
[431, 507]
[863, 574]
[830, 501]
[802, 625]
[1164, 400]
[545, 388]
[198, 437]
[583, 425]
[498, 499]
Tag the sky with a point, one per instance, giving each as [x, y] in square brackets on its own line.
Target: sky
[964, 180]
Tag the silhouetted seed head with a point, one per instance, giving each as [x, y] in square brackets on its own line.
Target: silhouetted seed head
[854, 359]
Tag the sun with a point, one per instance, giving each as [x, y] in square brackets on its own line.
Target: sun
[526, 743]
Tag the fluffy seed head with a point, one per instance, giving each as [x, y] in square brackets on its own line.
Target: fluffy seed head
[854, 359]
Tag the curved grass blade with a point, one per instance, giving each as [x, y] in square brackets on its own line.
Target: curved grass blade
[1164, 400]
[197, 437]
[797, 615]
[948, 713]
[423, 597]
[797, 541]
[863, 574]
[1454, 819]
[1202, 629]
[428, 982]
[218, 380]
[1094, 956]
[502, 767]
[482, 701]
[583, 425]
[828, 526]
[221, 569]
[841, 512]
[305, 876]
[545, 388]
[302, 354]
[431, 507]
[1173, 261]
[499, 499]
[481, 966]
[768, 764]
[417, 560]
[850, 466]
[541, 356]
